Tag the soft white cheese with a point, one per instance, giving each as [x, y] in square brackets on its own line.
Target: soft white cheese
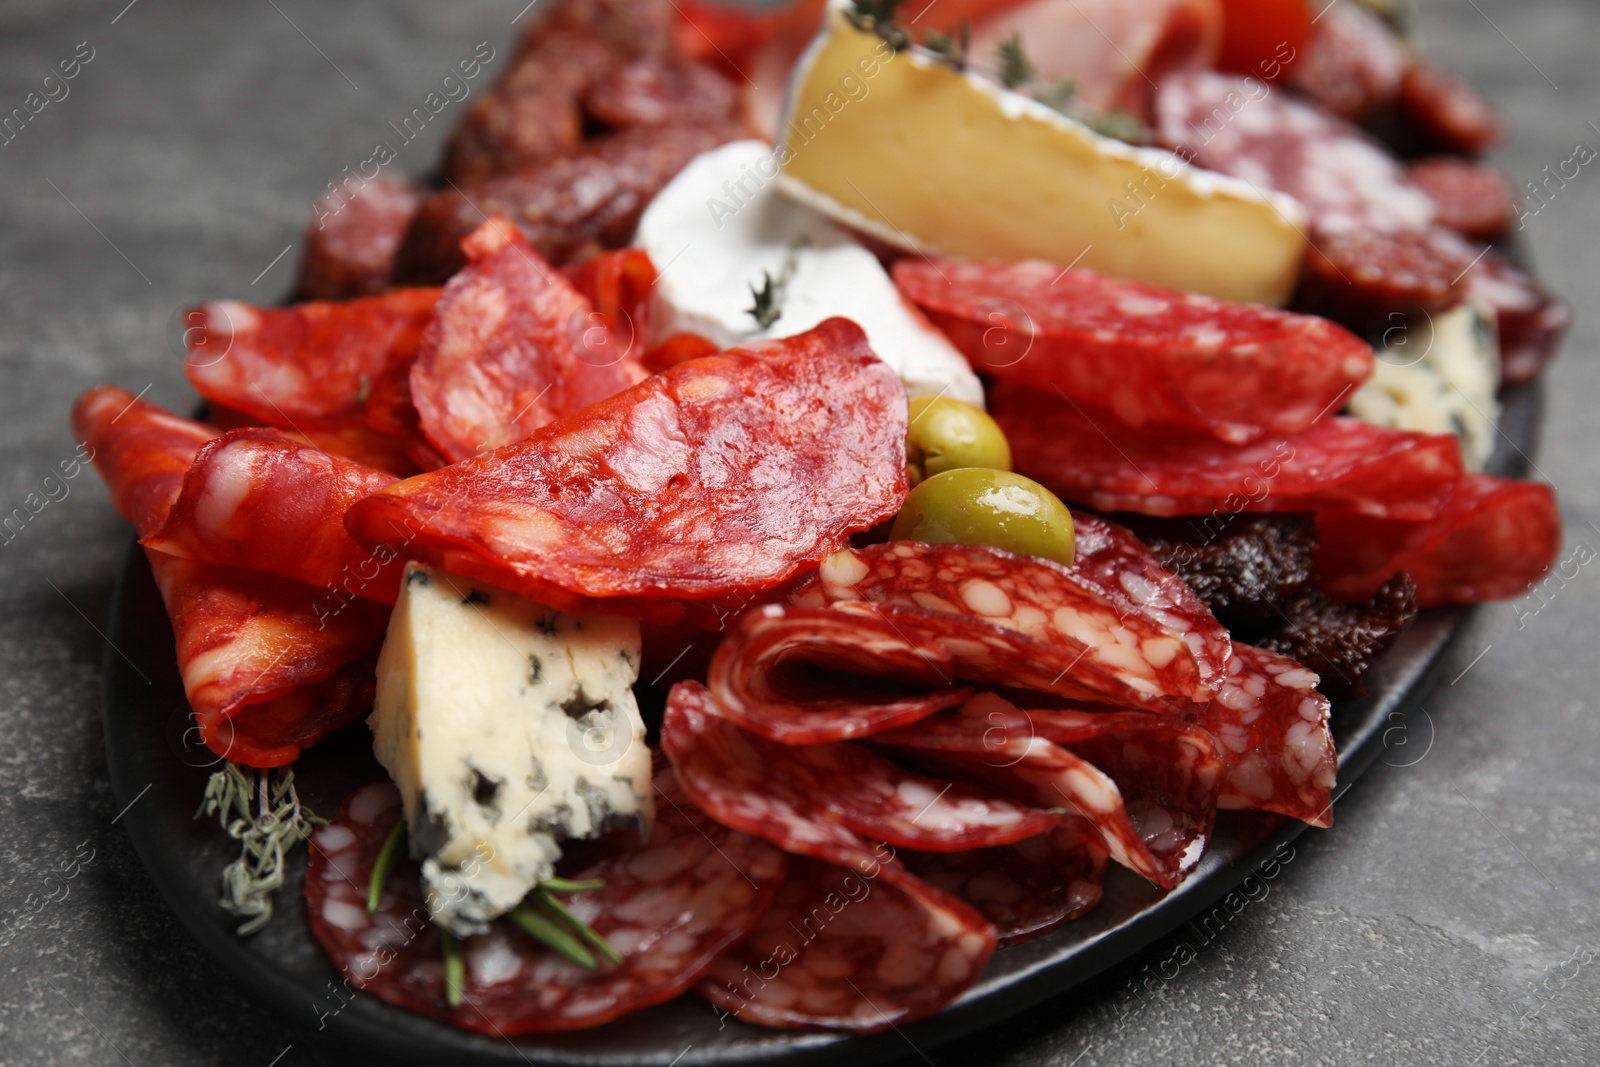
[721, 224]
[1439, 376]
[508, 727]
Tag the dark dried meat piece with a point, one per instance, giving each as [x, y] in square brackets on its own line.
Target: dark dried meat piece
[1341, 641]
[1531, 320]
[1446, 112]
[352, 238]
[654, 91]
[1353, 63]
[1470, 198]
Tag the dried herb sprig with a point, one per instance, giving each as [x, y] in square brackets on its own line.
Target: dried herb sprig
[1017, 72]
[953, 49]
[261, 810]
[878, 16]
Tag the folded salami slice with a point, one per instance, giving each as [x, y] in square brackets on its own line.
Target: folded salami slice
[305, 365]
[512, 346]
[618, 285]
[1339, 462]
[256, 499]
[670, 907]
[1025, 889]
[801, 676]
[854, 941]
[141, 451]
[1148, 355]
[1493, 538]
[721, 477]
[1030, 623]
[363, 444]
[1271, 727]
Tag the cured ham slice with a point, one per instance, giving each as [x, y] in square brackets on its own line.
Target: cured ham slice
[670, 907]
[1146, 354]
[720, 477]
[1338, 463]
[512, 346]
[854, 941]
[254, 498]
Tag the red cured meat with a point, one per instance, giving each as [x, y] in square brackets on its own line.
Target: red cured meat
[1363, 278]
[1339, 462]
[858, 942]
[670, 907]
[256, 499]
[1271, 727]
[656, 91]
[352, 239]
[1493, 538]
[618, 286]
[801, 676]
[1353, 63]
[512, 346]
[1025, 889]
[306, 365]
[1446, 112]
[1024, 621]
[1147, 354]
[1470, 198]
[722, 476]
[364, 445]
[141, 451]
[1532, 322]
[1238, 126]
[1146, 784]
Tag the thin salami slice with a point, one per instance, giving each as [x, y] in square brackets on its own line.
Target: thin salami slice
[141, 451]
[1148, 355]
[618, 285]
[843, 784]
[352, 239]
[256, 499]
[511, 347]
[1531, 321]
[1470, 198]
[723, 476]
[1493, 539]
[1236, 125]
[1446, 112]
[364, 445]
[670, 907]
[305, 365]
[801, 676]
[1271, 727]
[856, 941]
[1025, 889]
[1353, 63]
[1361, 278]
[1339, 462]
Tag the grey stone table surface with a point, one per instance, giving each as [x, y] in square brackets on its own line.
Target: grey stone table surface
[1448, 917]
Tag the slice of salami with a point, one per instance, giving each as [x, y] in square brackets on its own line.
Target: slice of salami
[722, 476]
[1148, 355]
[352, 238]
[801, 676]
[307, 364]
[511, 347]
[1025, 889]
[1492, 540]
[1238, 126]
[658, 91]
[618, 285]
[1339, 462]
[1531, 321]
[1363, 278]
[1353, 63]
[1446, 112]
[670, 907]
[256, 499]
[141, 452]
[1468, 197]
[1271, 727]
[856, 941]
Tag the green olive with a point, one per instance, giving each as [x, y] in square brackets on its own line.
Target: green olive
[945, 434]
[979, 506]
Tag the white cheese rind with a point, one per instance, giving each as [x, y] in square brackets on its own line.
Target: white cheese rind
[508, 727]
[721, 223]
[1439, 376]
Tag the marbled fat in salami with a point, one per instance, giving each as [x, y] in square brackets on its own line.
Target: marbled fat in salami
[669, 906]
[256, 499]
[1339, 462]
[141, 451]
[1492, 539]
[304, 365]
[801, 676]
[353, 236]
[511, 347]
[721, 477]
[1146, 354]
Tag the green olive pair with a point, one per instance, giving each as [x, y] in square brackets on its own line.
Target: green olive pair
[963, 491]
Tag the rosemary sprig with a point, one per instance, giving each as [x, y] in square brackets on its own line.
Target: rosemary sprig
[600, 944]
[541, 927]
[266, 832]
[878, 16]
[455, 967]
[394, 846]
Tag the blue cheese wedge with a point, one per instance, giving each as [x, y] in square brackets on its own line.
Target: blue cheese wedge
[1439, 376]
[509, 727]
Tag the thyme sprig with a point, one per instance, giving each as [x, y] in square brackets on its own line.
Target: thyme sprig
[1017, 72]
[768, 306]
[953, 49]
[261, 810]
[878, 16]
